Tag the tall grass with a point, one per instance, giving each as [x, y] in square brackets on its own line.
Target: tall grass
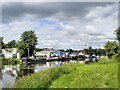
[98, 75]
[107, 60]
[44, 78]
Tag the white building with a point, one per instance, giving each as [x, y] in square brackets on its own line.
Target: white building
[44, 53]
[47, 53]
[10, 53]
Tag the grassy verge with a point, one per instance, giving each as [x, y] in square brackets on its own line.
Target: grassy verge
[44, 78]
[11, 61]
[100, 75]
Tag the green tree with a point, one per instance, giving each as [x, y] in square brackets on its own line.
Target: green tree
[11, 44]
[2, 44]
[111, 49]
[27, 43]
[118, 34]
[91, 51]
[118, 38]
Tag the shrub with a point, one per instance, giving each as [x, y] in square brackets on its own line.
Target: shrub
[106, 60]
[12, 61]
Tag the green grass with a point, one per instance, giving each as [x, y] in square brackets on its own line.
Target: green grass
[99, 75]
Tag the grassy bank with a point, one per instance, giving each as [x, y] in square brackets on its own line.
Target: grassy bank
[100, 75]
[74, 75]
[10, 61]
[44, 78]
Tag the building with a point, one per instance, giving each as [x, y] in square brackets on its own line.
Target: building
[47, 53]
[10, 53]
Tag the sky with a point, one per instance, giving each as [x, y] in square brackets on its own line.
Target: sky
[61, 25]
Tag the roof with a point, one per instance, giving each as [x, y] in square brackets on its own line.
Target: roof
[9, 50]
[47, 51]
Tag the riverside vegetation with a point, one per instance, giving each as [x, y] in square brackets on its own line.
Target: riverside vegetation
[11, 61]
[99, 75]
[74, 75]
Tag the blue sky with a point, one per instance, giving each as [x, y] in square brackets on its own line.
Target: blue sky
[47, 22]
[61, 25]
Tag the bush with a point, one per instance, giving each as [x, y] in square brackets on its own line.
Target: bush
[11, 61]
[44, 78]
[107, 60]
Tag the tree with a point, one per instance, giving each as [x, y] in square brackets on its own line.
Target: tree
[1, 40]
[90, 51]
[11, 44]
[111, 49]
[27, 43]
[117, 31]
[118, 34]
[2, 43]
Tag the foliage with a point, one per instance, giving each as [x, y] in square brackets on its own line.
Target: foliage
[91, 51]
[38, 49]
[111, 49]
[117, 31]
[90, 76]
[11, 61]
[27, 41]
[11, 44]
[117, 55]
[44, 78]
[2, 43]
[107, 60]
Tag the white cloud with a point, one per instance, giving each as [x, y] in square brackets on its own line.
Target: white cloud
[96, 27]
[60, 1]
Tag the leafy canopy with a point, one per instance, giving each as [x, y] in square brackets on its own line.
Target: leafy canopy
[118, 33]
[111, 49]
[11, 44]
[27, 41]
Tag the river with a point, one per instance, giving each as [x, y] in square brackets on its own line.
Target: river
[10, 73]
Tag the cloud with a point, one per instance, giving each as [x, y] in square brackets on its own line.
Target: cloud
[15, 10]
[63, 24]
[60, 1]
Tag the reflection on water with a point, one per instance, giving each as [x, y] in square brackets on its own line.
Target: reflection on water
[11, 73]
[0, 84]
[8, 80]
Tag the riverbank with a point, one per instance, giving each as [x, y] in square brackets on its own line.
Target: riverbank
[44, 78]
[74, 75]
[99, 75]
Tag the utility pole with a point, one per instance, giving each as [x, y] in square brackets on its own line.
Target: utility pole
[85, 46]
